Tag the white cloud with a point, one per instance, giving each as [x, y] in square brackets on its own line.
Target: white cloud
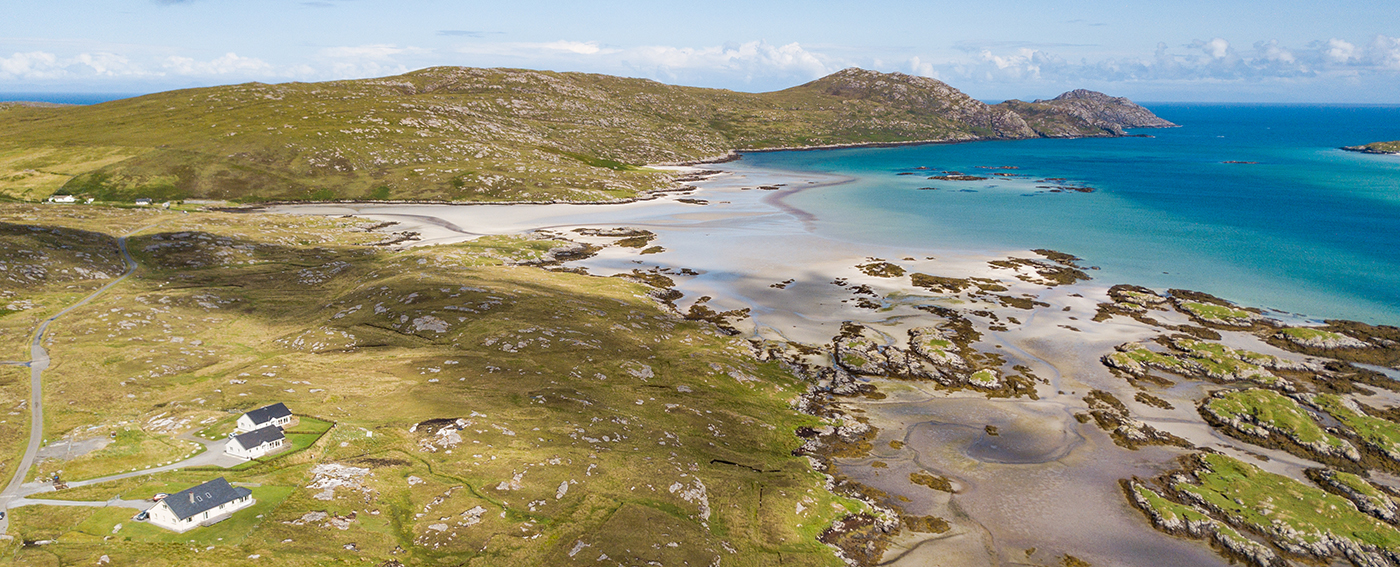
[1216, 48]
[228, 64]
[35, 64]
[754, 56]
[922, 68]
[362, 61]
[1339, 50]
[1215, 60]
[40, 65]
[756, 65]
[1272, 51]
[579, 47]
[1384, 52]
[372, 52]
[746, 62]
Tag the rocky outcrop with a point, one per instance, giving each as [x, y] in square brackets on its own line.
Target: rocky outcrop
[1385, 148]
[938, 346]
[921, 96]
[1112, 416]
[1101, 109]
[1367, 497]
[1317, 338]
[861, 350]
[1190, 521]
[1268, 419]
[1076, 112]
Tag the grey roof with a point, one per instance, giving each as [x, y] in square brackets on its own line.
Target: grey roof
[269, 413]
[207, 496]
[259, 436]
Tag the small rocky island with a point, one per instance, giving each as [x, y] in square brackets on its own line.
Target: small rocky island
[1390, 148]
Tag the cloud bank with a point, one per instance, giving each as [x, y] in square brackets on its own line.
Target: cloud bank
[757, 64]
[1214, 60]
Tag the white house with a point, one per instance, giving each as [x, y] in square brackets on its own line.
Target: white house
[256, 443]
[63, 199]
[275, 414]
[143, 202]
[199, 506]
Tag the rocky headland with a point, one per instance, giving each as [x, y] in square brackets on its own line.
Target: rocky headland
[467, 135]
[1388, 148]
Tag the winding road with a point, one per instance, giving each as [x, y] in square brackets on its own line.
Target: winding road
[38, 362]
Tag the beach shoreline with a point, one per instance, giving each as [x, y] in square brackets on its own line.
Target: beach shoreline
[1025, 459]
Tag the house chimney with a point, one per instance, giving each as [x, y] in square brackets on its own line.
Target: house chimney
[191, 498]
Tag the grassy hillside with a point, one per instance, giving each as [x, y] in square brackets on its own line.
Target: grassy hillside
[485, 413]
[464, 134]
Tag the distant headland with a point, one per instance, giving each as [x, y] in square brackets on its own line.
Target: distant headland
[455, 134]
[1391, 148]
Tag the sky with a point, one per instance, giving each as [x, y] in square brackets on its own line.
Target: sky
[1165, 51]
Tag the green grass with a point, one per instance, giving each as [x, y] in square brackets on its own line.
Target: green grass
[304, 435]
[461, 134]
[1142, 355]
[1308, 333]
[1274, 412]
[132, 449]
[1267, 502]
[937, 344]
[1221, 361]
[134, 488]
[78, 524]
[1213, 312]
[1381, 433]
[1365, 489]
[228, 532]
[1170, 511]
[221, 428]
[276, 308]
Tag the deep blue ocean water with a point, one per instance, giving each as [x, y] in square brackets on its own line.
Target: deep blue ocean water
[1309, 229]
[63, 98]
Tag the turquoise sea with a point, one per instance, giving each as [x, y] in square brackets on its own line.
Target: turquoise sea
[1308, 229]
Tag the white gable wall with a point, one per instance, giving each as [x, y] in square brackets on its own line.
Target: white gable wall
[233, 448]
[161, 515]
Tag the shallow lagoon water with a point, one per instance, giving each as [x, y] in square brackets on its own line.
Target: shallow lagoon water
[1308, 229]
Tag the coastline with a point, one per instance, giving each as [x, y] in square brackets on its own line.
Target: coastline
[684, 168]
[1017, 459]
[812, 310]
[1368, 150]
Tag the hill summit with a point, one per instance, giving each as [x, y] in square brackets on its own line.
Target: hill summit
[488, 135]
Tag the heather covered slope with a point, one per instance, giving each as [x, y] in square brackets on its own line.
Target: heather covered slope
[465, 134]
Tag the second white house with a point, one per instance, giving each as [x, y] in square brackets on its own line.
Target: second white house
[256, 443]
